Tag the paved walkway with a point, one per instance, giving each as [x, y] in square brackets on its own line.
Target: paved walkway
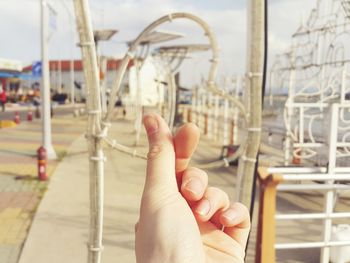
[60, 229]
[59, 232]
[20, 191]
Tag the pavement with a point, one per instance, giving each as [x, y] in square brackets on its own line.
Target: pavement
[24, 109]
[59, 231]
[20, 189]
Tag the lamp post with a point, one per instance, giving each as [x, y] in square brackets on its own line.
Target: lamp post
[45, 85]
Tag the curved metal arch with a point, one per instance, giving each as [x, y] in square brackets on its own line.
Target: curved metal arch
[213, 68]
[211, 86]
[168, 18]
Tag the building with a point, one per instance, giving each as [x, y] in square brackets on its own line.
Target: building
[10, 78]
[61, 77]
[8, 71]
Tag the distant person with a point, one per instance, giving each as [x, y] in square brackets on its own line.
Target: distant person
[30, 92]
[119, 105]
[181, 218]
[36, 96]
[3, 97]
[20, 96]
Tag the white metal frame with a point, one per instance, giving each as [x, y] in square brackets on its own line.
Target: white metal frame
[311, 174]
[328, 175]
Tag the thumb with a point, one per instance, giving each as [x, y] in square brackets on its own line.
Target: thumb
[160, 175]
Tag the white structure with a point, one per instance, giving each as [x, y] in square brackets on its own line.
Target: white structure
[10, 65]
[150, 83]
[316, 71]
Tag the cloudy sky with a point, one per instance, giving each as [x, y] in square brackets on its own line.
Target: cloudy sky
[20, 28]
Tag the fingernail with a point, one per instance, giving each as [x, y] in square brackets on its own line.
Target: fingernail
[229, 215]
[203, 208]
[151, 124]
[194, 186]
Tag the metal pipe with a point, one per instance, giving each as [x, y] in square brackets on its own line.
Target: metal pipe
[94, 131]
[321, 187]
[315, 177]
[330, 194]
[296, 170]
[301, 216]
[152, 26]
[45, 85]
[312, 245]
[173, 90]
[255, 56]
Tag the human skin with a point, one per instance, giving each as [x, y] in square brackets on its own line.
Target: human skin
[182, 219]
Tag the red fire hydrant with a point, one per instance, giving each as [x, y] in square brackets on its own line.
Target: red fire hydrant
[42, 158]
[17, 119]
[30, 116]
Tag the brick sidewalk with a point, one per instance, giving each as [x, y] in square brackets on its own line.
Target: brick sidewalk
[20, 191]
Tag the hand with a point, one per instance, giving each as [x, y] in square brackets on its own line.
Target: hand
[182, 220]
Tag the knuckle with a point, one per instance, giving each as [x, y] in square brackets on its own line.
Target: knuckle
[219, 195]
[154, 151]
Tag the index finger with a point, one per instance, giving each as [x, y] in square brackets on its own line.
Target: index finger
[185, 143]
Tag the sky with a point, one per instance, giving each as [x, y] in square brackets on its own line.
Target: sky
[20, 29]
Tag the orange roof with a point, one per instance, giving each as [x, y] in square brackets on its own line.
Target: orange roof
[112, 64]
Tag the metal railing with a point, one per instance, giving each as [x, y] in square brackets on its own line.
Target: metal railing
[294, 179]
[324, 179]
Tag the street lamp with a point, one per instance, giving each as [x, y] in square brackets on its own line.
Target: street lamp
[157, 36]
[102, 35]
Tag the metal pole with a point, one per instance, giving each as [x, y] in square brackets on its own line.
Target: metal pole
[209, 114]
[238, 87]
[53, 76]
[226, 110]
[329, 195]
[60, 90]
[103, 82]
[173, 89]
[197, 106]
[247, 161]
[194, 103]
[226, 123]
[72, 88]
[138, 121]
[72, 93]
[289, 105]
[94, 130]
[45, 85]
[270, 88]
[217, 118]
